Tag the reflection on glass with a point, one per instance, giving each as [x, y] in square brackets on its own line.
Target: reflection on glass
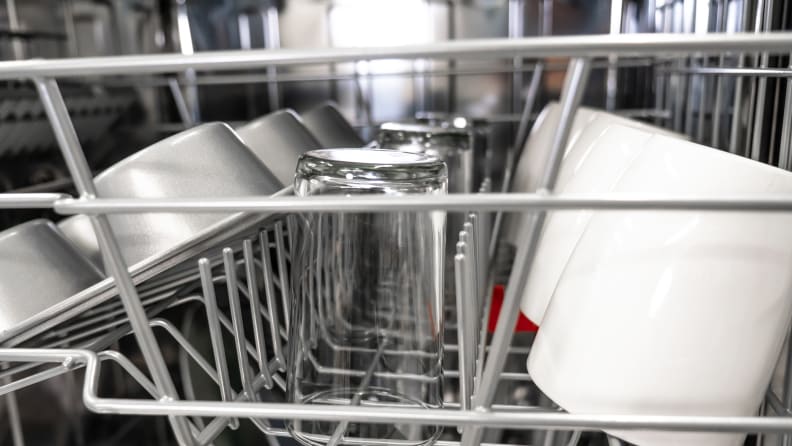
[367, 327]
[452, 145]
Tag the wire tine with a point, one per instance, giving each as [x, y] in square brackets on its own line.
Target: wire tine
[459, 269]
[308, 291]
[236, 319]
[255, 312]
[479, 258]
[269, 295]
[471, 252]
[321, 302]
[283, 273]
[692, 98]
[216, 334]
[291, 231]
[186, 346]
[717, 108]
[471, 310]
[785, 143]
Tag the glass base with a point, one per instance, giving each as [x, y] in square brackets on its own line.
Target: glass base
[320, 433]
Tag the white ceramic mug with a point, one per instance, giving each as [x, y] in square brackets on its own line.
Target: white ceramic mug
[593, 164]
[536, 152]
[672, 312]
[586, 168]
[533, 160]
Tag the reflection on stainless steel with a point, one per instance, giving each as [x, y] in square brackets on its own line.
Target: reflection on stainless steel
[209, 160]
[479, 132]
[36, 256]
[278, 140]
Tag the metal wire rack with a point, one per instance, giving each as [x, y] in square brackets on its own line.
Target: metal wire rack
[254, 267]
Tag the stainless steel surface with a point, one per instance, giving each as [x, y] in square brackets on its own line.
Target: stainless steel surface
[572, 46]
[208, 160]
[79, 231]
[574, 84]
[37, 257]
[496, 418]
[175, 245]
[108, 244]
[278, 140]
[331, 128]
[28, 200]
[510, 202]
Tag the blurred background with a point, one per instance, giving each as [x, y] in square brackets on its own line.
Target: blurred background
[116, 116]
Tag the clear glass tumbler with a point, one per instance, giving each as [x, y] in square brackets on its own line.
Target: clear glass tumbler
[367, 327]
[478, 131]
[453, 145]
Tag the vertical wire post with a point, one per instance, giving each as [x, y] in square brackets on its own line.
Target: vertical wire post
[17, 436]
[272, 40]
[66, 136]
[181, 104]
[613, 60]
[462, 348]
[786, 439]
[513, 156]
[574, 85]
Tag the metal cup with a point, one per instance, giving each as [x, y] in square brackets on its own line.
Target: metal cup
[278, 139]
[38, 269]
[330, 127]
[206, 161]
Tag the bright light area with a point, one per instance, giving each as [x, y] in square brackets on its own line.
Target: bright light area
[380, 23]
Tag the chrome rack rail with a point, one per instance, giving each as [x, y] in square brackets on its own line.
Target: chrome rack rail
[480, 414]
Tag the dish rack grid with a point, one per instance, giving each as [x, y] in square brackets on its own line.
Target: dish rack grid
[264, 254]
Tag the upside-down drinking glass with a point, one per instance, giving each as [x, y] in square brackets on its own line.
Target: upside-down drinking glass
[367, 327]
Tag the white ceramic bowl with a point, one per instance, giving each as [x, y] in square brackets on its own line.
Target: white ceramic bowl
[671, 312]
[536, 152]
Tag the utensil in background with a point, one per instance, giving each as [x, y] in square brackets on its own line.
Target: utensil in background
[205, 161]
[667, 312]
[367, 327]
[278, 139]
[39, 268]
[330, 127]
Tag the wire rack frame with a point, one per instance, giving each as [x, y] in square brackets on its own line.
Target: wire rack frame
[582, 49]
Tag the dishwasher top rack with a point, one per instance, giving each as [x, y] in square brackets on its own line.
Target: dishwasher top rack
[580, 49]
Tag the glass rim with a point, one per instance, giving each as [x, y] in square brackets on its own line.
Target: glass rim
[379, 158]
[450, 120]
[421, 128]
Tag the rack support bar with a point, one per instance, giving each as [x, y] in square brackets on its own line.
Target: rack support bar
[571, 94]
[111, 253]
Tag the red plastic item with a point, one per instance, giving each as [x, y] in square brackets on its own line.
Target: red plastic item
[523, 323]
